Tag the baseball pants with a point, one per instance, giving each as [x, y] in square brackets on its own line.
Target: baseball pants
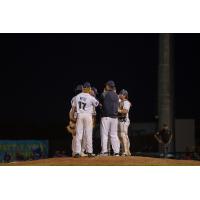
[84, 129]
[123, 136]
[73, 145]
[108, 128]
[83, 144]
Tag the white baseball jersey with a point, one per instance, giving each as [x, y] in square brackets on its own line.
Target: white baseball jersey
[125, 105]
[85, 103]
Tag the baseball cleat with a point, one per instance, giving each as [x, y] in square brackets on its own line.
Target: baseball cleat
[129, 153]
[83, 154]
[90, 155]
[103, 154]
[116, 154]
[77, 155]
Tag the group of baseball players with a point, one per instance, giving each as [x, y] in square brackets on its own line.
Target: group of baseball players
[114, 120]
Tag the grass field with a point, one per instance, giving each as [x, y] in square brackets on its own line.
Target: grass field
[105, 161]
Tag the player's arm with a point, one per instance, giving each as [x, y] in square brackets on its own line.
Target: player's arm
[170, 139]
[125, 108]
[122, 111]
[72, 113]
[101, 99]
[156, 135]
[73, 110]
[95, 102]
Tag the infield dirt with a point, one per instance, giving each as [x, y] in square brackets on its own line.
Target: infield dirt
[105, 161]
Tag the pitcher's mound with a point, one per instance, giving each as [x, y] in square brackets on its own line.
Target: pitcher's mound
[107, 161]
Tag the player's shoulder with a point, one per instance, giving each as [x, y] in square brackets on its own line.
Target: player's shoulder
[103, 94]
[92, 97]
[73, 98]
[80, 94]
[86, 95]
[112, 95]
[127, 103]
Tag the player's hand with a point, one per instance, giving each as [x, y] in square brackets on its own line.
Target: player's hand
[119, 111]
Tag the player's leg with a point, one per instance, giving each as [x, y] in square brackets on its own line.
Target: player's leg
[123, 136]
[126, 139]
[73, 145]
[114, 135]
[83, 145]
[120, 137]
[109, 145]
[129, 146]
[165, 150]
[79, 134]
[88, 127]
[104, 129]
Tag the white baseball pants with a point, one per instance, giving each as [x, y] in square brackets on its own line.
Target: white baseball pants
[108, 128]
[83, 144]
[73, 145]
[84, 128]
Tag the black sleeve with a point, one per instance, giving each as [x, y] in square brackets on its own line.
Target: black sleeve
[117, 100]
[101, 99]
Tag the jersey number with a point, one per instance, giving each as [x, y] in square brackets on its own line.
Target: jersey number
[81, 105]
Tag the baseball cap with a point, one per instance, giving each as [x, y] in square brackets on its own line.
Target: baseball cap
[124, 92]
[111, 83]
[86, 85]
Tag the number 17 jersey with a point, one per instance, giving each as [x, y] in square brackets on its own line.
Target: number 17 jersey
[85, 103]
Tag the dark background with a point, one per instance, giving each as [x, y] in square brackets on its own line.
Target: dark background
[38, 74]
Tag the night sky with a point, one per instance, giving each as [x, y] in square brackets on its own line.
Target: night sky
[38, 74]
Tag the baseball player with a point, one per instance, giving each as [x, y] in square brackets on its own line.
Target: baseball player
[109, 122]
[73, 117]
[124, 122]
[84, 104]
[109, 142]
[94, 93]
[164, 137]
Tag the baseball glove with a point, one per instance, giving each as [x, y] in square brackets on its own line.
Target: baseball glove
[71, 128]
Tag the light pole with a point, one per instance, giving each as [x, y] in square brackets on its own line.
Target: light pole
[165, 83]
